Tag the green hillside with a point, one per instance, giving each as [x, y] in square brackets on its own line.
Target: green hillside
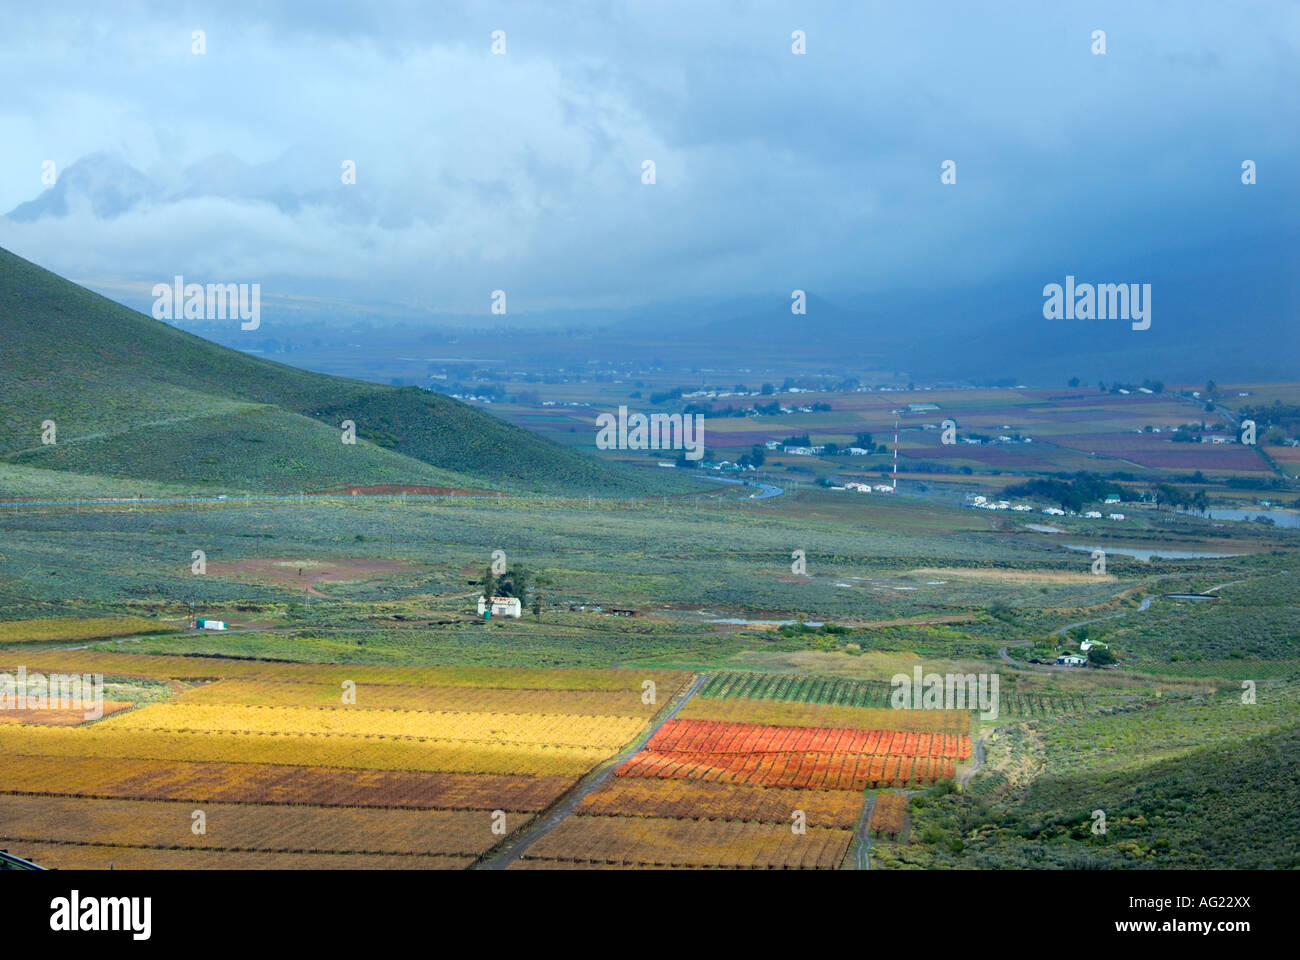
[135, 399]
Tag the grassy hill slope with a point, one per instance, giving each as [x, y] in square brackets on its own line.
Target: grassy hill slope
[136, 399]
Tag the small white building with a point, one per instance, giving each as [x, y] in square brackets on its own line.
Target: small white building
[501, 607]
[1116, 516]
[1071, 660]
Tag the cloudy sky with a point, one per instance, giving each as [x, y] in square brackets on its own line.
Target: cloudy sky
[523, 171]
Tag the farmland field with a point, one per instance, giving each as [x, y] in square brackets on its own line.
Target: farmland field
[695, 800]
[92, 628]
[289, 768]
[378, 694]
[790, 795]
[696, 843]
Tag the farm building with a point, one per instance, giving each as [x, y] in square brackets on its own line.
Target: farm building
[1113, 498]
[501, 607]
[203, 623]
[1071, 660]
[1115, 516]
[922, 407]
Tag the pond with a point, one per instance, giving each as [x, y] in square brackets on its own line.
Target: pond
[1280, 518]
[1145, 553]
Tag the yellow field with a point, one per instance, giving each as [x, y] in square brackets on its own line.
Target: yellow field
[407, 776]
[376, 753]
[119, 778]
[392, 696]
[567, 730]
[68, 628]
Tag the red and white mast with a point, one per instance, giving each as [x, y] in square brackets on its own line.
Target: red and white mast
[895, 455]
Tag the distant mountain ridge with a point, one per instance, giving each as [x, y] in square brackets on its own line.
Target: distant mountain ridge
[110, 187]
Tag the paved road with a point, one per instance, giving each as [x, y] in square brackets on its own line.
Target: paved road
[862, 834]
[766, 490]
[558, 813]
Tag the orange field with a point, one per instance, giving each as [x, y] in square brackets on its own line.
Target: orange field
[827, 771]
[713, 788]
[692, 800]
[60, 717]
[717, 737]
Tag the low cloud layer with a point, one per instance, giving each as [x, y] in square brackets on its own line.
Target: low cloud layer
[522, 171]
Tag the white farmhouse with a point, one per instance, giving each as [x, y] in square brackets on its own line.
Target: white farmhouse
[501, 607]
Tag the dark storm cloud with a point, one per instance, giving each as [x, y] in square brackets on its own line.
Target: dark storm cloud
[522, 172]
